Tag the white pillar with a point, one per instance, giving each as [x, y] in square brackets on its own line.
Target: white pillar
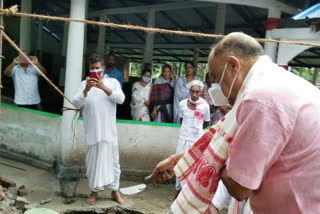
[25, 26]
[65, 39]
[148, 49]
[273, 22]
[85, 53]
[220, 18]
[63, 54]
[73, 76]
[196, 60]
[39, 40]
[101, 38]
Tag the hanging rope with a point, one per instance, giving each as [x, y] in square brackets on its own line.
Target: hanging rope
[13, 11]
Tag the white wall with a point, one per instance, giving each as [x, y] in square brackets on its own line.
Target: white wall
[35, 135]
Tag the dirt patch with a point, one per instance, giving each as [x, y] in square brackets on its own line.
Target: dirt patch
[113, 210]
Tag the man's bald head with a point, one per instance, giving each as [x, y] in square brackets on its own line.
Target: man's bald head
[239, 45]
[233, 56]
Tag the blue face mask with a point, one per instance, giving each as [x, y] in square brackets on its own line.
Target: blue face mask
[146, 79]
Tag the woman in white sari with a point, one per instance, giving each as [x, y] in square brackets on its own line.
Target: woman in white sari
[141, 97]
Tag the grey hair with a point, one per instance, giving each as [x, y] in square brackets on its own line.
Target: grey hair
[238, 44]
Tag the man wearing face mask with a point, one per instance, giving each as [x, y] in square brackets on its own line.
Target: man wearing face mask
[194, 114]
[98, 97]
[270, 138]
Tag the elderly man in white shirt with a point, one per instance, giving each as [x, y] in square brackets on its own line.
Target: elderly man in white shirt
[25, 79]
[194, 114]
[98, 97]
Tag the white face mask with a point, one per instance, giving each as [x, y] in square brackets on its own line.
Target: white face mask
[96, 70]
[216, 94]
[146, 79]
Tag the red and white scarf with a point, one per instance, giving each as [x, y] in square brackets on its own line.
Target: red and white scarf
[199, 168]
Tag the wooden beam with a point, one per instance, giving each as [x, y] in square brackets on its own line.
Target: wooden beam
[146, 8]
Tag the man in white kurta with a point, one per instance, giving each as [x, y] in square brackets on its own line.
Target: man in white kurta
[98, 98]
[194, 114]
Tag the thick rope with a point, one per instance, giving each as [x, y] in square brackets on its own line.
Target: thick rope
[13, 44]
[13, 11]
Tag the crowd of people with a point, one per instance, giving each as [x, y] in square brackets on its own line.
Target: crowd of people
[262, 150]
[160, 100]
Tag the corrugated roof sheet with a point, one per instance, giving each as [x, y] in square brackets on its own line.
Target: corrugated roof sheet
[312, 12]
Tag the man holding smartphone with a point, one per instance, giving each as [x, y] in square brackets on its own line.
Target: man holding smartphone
[98, 97]
[25, 78]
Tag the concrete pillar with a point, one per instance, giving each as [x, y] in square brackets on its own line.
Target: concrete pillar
[220, 18]
[39, 40]
[196, 60]
[73, 78]
[101, 38]
[273, 22]
[25, 26]
[180, 70]
[315, 76]
[85, 53]
[148, 49]
[63, 54]
[108, 48]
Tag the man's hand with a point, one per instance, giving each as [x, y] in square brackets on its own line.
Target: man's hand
[99, 84]
[34, 60]
[147, 103]
[163, 171]
[154, 112]
[89, 85]
[225, 109]
[16, 60]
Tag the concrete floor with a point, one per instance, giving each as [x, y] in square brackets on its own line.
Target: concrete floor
[41, 185]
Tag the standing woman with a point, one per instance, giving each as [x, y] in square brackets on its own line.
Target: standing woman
[181, 91]
[141, 97]
[161, 99]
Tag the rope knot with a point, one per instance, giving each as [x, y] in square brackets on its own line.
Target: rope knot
[12, 10]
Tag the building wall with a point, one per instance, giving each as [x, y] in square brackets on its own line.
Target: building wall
[35, 134]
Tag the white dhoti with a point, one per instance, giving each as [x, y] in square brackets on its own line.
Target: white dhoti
[103, 167]
[182, 146]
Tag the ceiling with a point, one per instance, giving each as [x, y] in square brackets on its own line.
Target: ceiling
[250, 20]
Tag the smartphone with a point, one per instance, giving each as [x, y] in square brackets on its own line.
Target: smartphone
[95, 75]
